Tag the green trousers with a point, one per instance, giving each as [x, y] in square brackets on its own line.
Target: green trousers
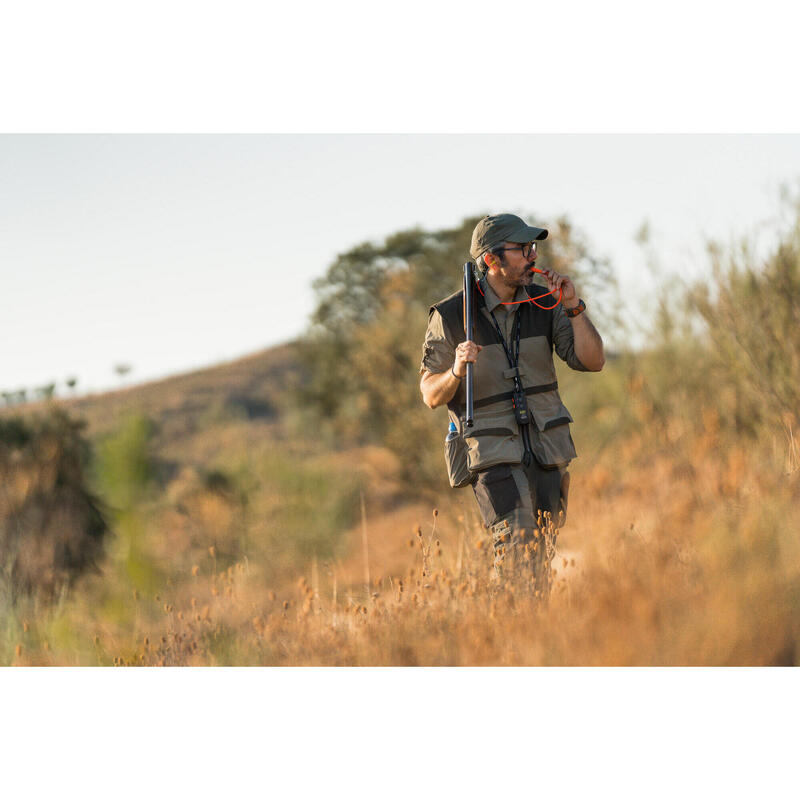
[523, 507]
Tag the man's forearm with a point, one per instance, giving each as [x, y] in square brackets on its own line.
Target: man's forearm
[588, 344]
[439, 388]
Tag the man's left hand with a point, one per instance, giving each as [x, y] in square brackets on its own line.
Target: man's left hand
[569, 295]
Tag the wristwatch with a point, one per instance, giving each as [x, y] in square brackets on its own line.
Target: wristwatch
[573, 312]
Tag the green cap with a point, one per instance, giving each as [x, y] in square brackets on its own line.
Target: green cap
[495, 229]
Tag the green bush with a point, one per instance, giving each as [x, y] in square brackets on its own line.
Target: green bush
[305, 513]
[124, 473]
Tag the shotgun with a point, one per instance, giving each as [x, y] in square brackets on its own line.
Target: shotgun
[469, 308]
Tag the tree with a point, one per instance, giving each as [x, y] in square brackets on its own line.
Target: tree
[122, 370]
[46, 392]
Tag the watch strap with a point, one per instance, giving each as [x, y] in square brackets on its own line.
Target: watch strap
[573, 312]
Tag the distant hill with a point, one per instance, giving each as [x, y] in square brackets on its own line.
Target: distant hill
[249, 388]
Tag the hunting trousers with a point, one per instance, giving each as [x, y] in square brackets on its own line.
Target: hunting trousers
[516, 504]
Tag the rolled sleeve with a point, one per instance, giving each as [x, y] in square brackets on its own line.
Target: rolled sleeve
[564, 340]
[438, 353]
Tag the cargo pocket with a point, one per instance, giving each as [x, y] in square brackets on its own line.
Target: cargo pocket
[491, 442]
[497, 493]
[551, 441]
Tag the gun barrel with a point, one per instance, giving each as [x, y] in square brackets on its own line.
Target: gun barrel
[468, 327]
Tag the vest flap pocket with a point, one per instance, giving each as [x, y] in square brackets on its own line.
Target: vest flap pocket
[494, 440]
[455, 456]
[554, 447]
[551, 440]
[548, 411]
[470, 434]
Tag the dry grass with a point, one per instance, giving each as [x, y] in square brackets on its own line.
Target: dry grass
[685, 555]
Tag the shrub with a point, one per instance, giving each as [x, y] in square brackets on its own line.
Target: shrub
[52, 527]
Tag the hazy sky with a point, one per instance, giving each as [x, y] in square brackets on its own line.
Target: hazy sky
[173, 252]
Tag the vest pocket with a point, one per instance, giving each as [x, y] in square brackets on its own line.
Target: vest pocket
[492, 442]
[455, 455]
[551, 440]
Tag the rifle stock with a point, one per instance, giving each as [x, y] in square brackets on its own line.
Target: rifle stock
[469, 309]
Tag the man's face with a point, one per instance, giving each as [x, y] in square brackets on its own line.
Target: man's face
[516, 260]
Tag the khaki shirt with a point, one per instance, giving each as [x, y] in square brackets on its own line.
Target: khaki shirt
[439, 353]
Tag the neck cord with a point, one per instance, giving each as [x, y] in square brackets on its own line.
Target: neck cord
[513, 361]
[529, 299]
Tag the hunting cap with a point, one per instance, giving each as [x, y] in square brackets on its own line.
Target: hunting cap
[495, 229]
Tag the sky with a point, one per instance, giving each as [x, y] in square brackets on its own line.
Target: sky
[173, 252]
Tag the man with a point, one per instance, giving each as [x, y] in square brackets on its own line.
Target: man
[519, 447]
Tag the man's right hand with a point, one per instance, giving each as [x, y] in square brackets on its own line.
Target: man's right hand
[466, 352]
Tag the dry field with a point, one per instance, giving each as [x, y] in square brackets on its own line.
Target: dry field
[680, 549]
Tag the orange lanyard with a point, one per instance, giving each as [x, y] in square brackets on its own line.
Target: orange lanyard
[530, 299]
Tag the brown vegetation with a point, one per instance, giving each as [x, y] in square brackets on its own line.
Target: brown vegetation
[51, 527]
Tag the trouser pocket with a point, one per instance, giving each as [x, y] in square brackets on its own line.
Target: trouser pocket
[497, 493]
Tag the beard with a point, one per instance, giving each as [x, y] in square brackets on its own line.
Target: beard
[525, 279]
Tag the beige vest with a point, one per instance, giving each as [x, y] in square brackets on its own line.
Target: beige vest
[495, 437]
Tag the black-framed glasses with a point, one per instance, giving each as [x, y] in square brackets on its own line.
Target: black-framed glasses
[528, 249]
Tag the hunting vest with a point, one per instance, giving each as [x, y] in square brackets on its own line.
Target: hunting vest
[495, 437]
